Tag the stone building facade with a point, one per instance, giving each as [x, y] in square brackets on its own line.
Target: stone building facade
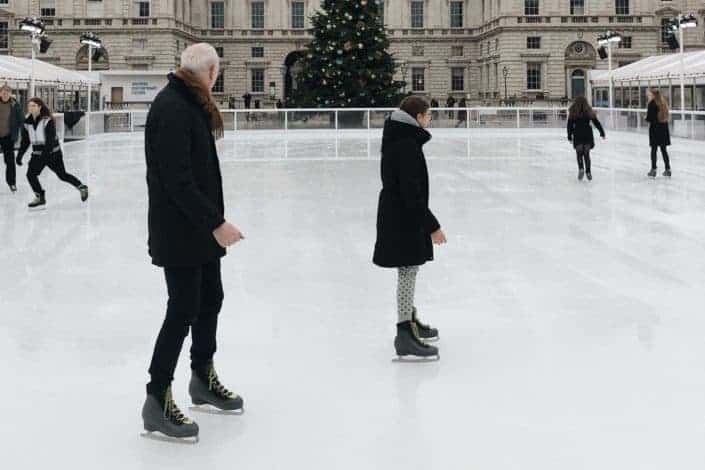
[535, 49]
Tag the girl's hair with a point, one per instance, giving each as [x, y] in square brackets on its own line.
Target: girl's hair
[44, 111]
[662, 105]
[581, 108]
[414, 105]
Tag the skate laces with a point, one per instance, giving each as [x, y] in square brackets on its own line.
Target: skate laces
[215, 386]
[172, 412]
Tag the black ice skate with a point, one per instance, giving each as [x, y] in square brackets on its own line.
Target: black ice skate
[589, 176]
[167, 420]
[581, 173]
[84, 192]
[13, 188]
[211, 392]
[652, 173]
[39, 201]
[409, 346]
[667, 173]
[426, 332]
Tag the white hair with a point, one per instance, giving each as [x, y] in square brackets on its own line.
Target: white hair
[199, 57]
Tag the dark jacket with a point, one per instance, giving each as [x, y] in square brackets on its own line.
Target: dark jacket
[50, 143]
[404, 221]
[580, 130]
[659, 133]
[183, 179]
[16, 119]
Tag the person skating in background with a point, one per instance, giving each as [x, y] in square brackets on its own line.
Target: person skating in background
[659, 135]
[39, 131]
[11, 121]
[450, 103]
[580, 115]
[188, 235]
[406, 227]
[462, 114]
[434, 105]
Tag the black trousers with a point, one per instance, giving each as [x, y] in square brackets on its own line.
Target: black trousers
[8, 152]
[195, 300]
[582, 152]
[664, 154]
[55, 162]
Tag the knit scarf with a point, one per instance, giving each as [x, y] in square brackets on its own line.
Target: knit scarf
[205, 98]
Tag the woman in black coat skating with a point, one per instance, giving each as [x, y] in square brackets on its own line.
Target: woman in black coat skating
[406, 227]
[659, 135]
[580, 115]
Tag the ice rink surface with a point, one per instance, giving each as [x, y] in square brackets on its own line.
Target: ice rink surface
[571, 313]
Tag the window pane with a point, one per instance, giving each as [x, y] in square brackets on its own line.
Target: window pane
[4, 35]
[533, 76]
[258, 52]
[531, 7]
[456, 14]
[218, 15]
[297, 15]
[457, 79]
[417, 14]
[257, 15]
[417, 79]
[577, 7]
[219, 86]
[257, 80]
[621, 7]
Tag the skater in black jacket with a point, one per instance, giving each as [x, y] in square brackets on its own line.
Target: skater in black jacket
[659, 135]
[11, 121]
[39, 131]
[406, 227]
[580, 115]
[188, 235]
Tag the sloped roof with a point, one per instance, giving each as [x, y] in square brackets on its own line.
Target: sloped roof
[654, 68]
[18, 69]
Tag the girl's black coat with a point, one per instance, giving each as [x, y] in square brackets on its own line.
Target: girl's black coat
[580, 130]
[404, 221]
[183, 178]
[658, 131]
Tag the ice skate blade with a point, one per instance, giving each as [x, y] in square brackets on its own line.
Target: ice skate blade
[408, 358]
[158, 436]
[37, 209]
[431, 340]
[213, 410]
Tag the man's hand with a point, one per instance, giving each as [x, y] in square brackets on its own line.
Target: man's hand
[227, 234]
[438, 237]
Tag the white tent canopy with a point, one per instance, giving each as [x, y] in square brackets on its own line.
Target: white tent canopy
[19, 70]
[654, 68]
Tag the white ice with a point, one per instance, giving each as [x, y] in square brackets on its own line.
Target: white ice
[571, 313]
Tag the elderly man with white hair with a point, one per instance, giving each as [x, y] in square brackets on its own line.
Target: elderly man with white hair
[188, 234]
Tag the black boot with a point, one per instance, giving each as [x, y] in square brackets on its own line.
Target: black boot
[409, 346]
[589, 175]
[652, 173]
[667, 173]
[426, 332]
[206, 389]
[581, 174]
[84, 192]
[162, 415]
[13, 188]
[38, 201]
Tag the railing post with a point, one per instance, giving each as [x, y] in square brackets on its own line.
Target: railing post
[132, 122]
[235, 120]
[368, 120]
[286, 121]
[336, 121]
[518, 120]
[467, 118]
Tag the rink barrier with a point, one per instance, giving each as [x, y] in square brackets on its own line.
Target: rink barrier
[689, 124]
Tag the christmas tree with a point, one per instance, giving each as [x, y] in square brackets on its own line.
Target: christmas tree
[347, 63]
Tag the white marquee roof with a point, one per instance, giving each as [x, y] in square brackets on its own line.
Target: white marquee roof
[654, 68]
[17, 69]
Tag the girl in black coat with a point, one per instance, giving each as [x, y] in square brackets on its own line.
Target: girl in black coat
[39, 131]
[580, 115]
[659, 135]
[406, 227]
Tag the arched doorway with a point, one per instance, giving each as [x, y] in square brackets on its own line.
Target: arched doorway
[577, 83]
[580, 56]
[293, 69]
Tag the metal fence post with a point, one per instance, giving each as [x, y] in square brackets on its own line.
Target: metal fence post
[235, 120]
[286, 121]
[518, 120]
[336, 120]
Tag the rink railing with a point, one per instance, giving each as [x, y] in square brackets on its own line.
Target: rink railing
[690, 124]
[115, 121]
[686, 124]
